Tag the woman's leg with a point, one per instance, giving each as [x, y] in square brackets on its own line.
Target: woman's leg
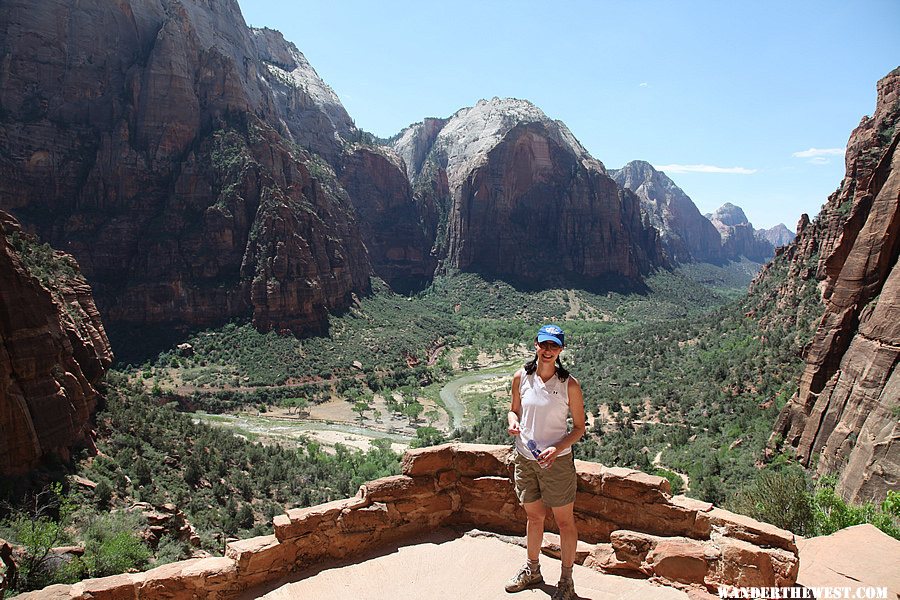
[568, 533]
[534, 528]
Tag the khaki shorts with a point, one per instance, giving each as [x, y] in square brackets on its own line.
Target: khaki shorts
[555, 486]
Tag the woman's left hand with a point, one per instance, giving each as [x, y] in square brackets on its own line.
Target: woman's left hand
[546, 458]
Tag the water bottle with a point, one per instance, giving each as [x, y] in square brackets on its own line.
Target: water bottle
[533, 448]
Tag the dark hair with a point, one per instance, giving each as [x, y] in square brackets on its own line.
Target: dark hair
[561, 371]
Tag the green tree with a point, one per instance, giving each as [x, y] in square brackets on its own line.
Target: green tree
[103, 494]
[468, 357]
[360, 409]
[37, 529]
[413, 410]
[428, 436]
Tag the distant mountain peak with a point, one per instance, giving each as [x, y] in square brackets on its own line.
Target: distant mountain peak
[467, 136]
[731, 215]
[778, 236]
[685, 234]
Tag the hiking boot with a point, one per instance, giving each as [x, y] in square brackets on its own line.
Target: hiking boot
[524, 578]
[565, 590]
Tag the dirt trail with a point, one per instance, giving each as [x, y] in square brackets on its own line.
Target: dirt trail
[657, 462]
[574, 305]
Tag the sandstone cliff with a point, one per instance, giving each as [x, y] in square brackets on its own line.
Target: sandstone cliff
[306, 106]
[53, 351]
[686, 235]
[392, 218]
[738, 236]
[846, 409]
[521, 198]
[172, 150]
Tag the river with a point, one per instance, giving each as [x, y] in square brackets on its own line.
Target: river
[448, 395]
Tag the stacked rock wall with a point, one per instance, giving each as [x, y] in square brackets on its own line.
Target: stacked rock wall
[632, 524]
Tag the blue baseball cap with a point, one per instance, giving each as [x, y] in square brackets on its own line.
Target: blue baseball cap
[551, 333]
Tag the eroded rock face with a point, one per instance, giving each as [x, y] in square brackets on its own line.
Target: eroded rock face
[523, 199]
[307, 107]
[686, 234]
[53, 351]
[169, 148]
[845, 409]
[391, 218]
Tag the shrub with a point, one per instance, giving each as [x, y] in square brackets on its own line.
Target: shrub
[786, 499]
[37, 529]
[111, 546]
[832, 513]
[781, 498]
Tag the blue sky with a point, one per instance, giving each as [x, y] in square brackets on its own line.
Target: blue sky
[748, 102]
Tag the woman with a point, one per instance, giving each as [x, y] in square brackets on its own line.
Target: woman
[543, 396]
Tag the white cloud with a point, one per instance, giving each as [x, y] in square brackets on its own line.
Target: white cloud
[818, 160]
[818, 152]
[645, 84]
[704, 169]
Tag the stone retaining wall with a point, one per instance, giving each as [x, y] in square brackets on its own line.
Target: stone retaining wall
[629, 520]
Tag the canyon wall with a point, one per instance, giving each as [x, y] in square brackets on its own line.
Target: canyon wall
[738, 236]
[686, 235]
[843, 419]
[173, 151]
[53, 351]
[521, 198]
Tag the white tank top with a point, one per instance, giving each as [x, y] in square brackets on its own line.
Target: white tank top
[545, 410]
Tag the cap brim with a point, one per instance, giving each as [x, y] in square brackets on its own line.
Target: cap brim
[546, 337]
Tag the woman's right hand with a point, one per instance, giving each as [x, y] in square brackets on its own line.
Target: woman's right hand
[513, 428]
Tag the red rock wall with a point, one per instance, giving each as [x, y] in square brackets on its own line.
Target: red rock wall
[533, 211]
[391, 219]
[845, 411]
[53, 351]
[112, 117]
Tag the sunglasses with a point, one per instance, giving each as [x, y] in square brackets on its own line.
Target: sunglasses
[549, 346]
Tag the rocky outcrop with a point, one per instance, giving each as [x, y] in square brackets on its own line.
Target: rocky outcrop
[165, 520]
[306, 106]
[845, 411]
[738, 236]
[172, 151]
[392, 220]
[778, 236]
[686, 235]
[53, 351]
[858, 556]
[523, 199]
[631, 523]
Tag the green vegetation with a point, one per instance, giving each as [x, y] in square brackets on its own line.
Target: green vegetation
[688, 367]
[225, 485]
[675, 371]
[49, 266]
[788, 499]
[49, 519]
